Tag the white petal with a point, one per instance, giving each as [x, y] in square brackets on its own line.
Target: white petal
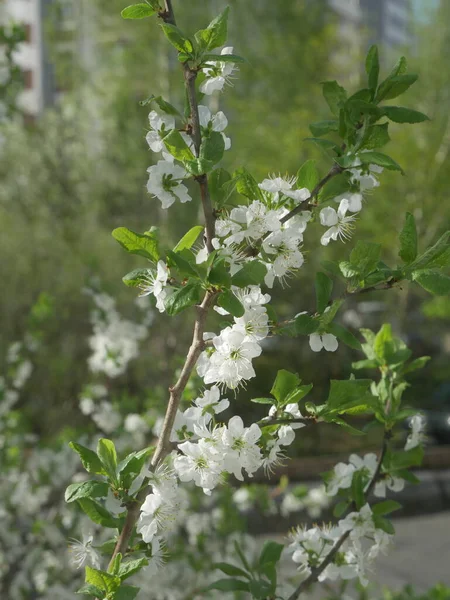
[330, 342]
[315, 342]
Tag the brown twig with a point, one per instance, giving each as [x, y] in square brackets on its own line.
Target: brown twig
[316, 571]
[163, 447]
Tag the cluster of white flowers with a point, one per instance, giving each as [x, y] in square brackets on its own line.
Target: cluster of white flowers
[228, 362]
[157, 284]
[343, 473]
[363, 544]
[340, 224]
[115, 341]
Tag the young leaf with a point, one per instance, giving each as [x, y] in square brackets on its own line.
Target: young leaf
[305, 325]
[217, 181]
[433, 255]
[219, 275]
[106, 452]
[323, 127]
[284, 384]
[230, 570]
[383, 524]
[386, 507]
[372, 68]
[138, 11]
[89, 459]
[399, 114]
[359, 481]
[177, 147]
[104, 581]
[86, 489]
[307, 175]
[186, 296]
[189, 238]
[380, 159]
[344, 335]
[212, 148]
[127, 569]
[126, 592]
[345, 393]
[335, 96]
[88, 589]
[177, 38]
[432, 281]
[229, 302]
[145, 245]
[252, 273]
[246, 184]
[408, 240]
[271, 553]
[215, 34]
[324, 287]
[395, 87]
[376, 136]
[98, 513]
[229, 585]
[136, 277]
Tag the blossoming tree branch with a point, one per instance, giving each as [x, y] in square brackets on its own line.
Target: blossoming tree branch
[253, 238]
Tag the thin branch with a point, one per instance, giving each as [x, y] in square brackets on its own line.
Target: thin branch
[316, 571]
[164, 447]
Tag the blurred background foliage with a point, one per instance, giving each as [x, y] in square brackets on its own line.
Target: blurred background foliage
[79, 171]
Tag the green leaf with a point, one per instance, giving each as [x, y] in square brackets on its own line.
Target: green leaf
[397, 86]
[307, 175]
[89, 459]
[406, 459]
[252, 273]
[215, 34]
[189, 238]
[242, 558]
[145, 245]
[97, 513]
[246, 184]
[338, 185]
[86, 489]
[298, 394]
[230, 570]
[262, 400]
[219, 274]
[88, 589]
[305, 325]
[126, 592]
[104, 581]
[136, 277]
[376, 136]
[183, 261]
[199, 166]
[177, 146]
[163, 105]
[432, 281]
[177, 38]
[416, 364]
[271, 553]
[324, 287]
[344, 335]
[380, 159]
[382, 340]
[340, 509]
[346, 393]
[386, 507]
[335, 96]
[187, 296]
[323, 127]
[365, 257]
[408, 240]
[359, 481]
[365, 364]
[229, 585]
[432, 257]
[383, 524]
[398, 114]
[138, 11]
[325, 144]
[106, 452]
[133, 463]
[284, 384]
[225, 58]
[127, 569]
[372, 68]
[217, 181]
[229, 302]
[212, 148]
[388, 86]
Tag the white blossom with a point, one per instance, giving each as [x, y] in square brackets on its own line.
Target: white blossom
[198, 464]
[283, 186]
[360, 523]
[217, 122]
[340, 226]
[161, 125]
[326, 341]
[165, 183]
[417, 424]
[82, 552]
[242, 451]
[217, 73]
